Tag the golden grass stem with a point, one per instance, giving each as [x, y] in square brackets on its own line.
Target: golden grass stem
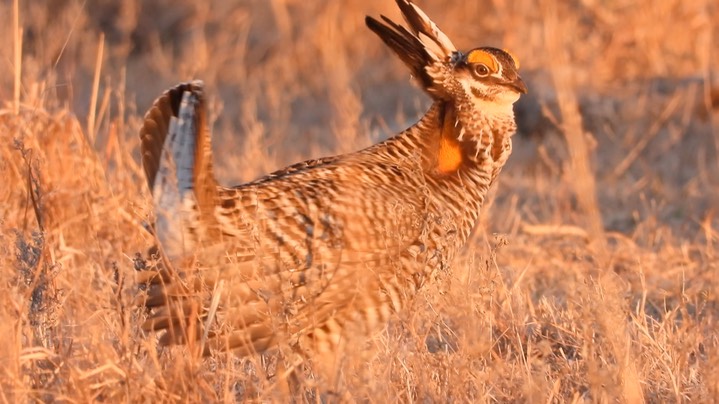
[577, 140]
[216, 295]
[17, 41]
[102, 112]
[95, 89]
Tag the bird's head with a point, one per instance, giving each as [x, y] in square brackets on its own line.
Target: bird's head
[488, 76]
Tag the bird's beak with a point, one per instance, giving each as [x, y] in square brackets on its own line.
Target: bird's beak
[518, 84]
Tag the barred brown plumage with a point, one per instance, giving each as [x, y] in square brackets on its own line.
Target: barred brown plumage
[306, 253]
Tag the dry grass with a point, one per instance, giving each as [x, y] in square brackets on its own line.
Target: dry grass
[593, 276]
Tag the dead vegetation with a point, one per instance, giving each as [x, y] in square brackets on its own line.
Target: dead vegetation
[594, 273]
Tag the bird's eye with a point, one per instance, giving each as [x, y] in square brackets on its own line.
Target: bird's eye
[482, 70]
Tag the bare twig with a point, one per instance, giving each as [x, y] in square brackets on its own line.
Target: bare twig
[657, 125]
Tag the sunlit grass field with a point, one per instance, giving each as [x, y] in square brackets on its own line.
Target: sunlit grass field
[593, 275]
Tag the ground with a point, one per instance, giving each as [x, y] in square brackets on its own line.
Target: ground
[591, 277]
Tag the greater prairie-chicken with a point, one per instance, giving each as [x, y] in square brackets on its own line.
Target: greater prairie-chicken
[332, 246]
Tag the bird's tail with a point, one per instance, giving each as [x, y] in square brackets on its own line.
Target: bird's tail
[177, 159]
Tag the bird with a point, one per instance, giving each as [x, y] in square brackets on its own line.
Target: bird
[326, 249]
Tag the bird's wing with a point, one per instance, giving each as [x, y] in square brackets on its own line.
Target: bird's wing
[287, 255]
[309, 263]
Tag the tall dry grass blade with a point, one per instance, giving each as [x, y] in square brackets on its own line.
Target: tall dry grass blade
[95, 89]
[706, 44]
[580, 153]
[17, 31]
[282, 17]
[211, 313]
[102, 113]
[120, 121]
[69, 34]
